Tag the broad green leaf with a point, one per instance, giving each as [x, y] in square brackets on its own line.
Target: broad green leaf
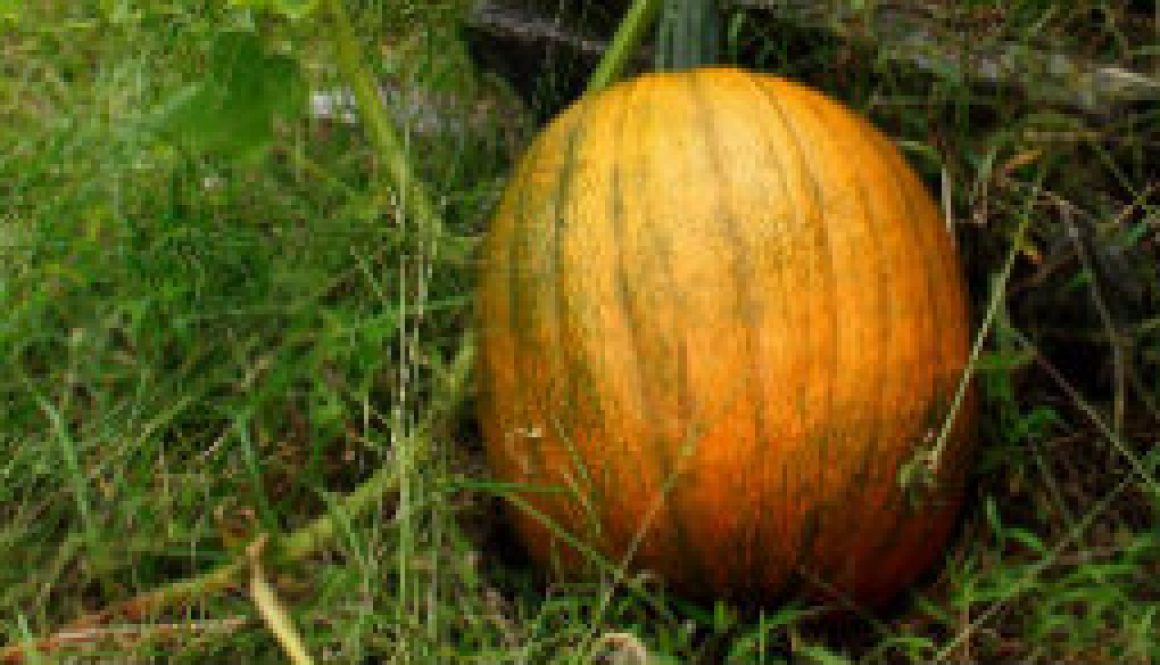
[233, 109]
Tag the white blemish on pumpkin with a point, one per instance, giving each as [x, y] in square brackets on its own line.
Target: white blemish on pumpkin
[519, 453]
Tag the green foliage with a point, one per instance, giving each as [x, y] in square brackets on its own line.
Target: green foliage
[233, 109]
[293, 9]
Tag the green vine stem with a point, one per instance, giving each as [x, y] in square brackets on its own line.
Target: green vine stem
[413, 196]
[637, 22]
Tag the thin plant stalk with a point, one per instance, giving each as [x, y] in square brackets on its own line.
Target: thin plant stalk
[413, 196]
[637, 22]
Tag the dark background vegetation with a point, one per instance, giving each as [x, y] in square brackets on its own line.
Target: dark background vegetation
[214, 326]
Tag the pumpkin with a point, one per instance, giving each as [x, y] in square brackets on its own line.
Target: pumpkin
[717, 315]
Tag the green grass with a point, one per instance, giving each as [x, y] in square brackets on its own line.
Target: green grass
[195, 349]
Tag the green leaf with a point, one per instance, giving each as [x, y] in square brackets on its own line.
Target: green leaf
[10, 10]
[292, 9]
[1004, 361]
[722, 617]
[991, 511]
[233, 110]
[1027, 539]
[754, 643]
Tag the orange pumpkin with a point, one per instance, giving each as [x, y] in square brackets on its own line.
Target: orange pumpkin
[717, 313]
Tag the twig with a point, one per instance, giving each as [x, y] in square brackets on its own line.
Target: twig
[621, 647]
[908, 32]
[92, 638]
[932, 458]
[504, 21]
[273, 611]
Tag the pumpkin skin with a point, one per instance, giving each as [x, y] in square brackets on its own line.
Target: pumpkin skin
[717, 313]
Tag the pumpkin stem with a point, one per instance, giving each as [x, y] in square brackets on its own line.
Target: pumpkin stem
[689, 35]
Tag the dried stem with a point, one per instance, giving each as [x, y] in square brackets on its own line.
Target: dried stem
[933, 457]
[122, 635]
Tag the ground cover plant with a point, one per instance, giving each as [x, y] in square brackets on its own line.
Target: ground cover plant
[220, 316]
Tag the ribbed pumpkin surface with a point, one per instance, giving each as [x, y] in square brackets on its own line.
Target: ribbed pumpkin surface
[718, 312]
